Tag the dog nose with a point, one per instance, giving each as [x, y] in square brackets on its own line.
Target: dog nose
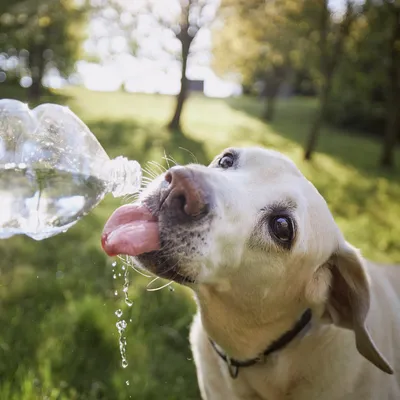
[186, 194]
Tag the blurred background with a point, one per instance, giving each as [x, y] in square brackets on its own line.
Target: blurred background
[318, 80]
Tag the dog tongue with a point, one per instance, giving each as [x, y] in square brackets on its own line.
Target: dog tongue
[130, 230]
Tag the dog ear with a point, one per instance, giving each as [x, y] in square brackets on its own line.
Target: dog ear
[349, 300]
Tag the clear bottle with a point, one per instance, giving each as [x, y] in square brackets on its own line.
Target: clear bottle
[53, 170]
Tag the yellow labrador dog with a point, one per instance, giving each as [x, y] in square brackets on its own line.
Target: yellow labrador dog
[287, 309]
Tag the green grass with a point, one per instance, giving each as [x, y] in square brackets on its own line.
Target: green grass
[58, 338]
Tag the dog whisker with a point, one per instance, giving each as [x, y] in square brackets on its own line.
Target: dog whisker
[160, 167]
[158, 288]
[166, 159]
[131, 197]
[153, 280]
[193, 156]
[150, 172]
[132, 265]
[171, 159]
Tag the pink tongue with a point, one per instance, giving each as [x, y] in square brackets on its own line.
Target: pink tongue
[130, 230]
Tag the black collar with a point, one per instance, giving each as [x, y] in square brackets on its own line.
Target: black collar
[280, 343]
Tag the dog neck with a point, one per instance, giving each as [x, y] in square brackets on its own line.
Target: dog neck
[233, 365]
[241, 330]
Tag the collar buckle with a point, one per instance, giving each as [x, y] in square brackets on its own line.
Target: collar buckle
[232, 369]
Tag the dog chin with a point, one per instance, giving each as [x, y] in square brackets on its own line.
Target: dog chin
[165, 267]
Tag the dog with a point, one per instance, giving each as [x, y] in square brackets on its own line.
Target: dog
[287, 308]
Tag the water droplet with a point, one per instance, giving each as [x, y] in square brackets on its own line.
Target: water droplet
[114, 264]
[121, 326]
[126, 287]
[171, 289]
[127, 383]
[128, 303]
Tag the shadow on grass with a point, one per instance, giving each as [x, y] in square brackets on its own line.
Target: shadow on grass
[293, 121]
[19, 93]
[148, 142]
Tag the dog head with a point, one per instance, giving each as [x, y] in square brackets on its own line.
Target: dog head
[249, 230]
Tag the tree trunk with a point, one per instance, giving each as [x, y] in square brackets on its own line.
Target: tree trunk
[393, 97]
[323, 97]
[175, 124]
[273, 83]
[391, 135]
[270, 108]
[37, 67]
[271, 91]
[35, 90]
[329, 64]
[318, 122]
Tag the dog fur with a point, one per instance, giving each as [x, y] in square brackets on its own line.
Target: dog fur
[250, 290]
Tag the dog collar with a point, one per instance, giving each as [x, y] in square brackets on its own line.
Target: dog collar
[280, 343]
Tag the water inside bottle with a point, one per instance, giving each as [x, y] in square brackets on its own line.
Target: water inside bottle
[42, 202]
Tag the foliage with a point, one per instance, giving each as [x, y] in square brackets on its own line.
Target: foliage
[43, 34]
[58, 338]
[258, 36]
[343, 56]
[358, 97]
[269, 43]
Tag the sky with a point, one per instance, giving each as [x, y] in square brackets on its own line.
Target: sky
[153, 69]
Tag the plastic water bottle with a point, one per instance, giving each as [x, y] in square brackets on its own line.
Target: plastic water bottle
[53, 171]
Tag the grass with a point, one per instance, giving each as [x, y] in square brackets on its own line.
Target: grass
[57, 297]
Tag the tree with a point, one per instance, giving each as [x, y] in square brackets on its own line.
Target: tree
[191, 21]
[393, 90]
[194, 15]
[173, 24]
[49, 31]
[332, 38]
[365, 95]
[181, 22]
[261, 40]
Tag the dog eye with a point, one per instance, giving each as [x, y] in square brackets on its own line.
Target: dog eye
[282, 228]
[226, 161]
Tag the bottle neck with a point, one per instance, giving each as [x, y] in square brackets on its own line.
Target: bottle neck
[125, 176]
